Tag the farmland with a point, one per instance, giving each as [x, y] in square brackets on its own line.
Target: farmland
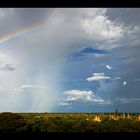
[69, 122]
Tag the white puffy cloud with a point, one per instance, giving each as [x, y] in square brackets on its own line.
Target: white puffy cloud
[98, 77]
[108, 33]
[82, 96]
[124, 83]
[73, 95]
[102, 101]
[102, 29]
[108, 67]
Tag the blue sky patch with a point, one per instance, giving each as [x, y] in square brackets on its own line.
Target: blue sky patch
[85, 51]
[93, 50]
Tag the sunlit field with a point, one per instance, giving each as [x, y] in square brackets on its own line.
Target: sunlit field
[69, 122]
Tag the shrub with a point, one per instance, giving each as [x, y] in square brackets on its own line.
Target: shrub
[11, 122]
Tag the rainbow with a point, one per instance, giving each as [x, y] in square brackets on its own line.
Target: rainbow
[21, 33]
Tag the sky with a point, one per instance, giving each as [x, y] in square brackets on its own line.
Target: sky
[69, 59]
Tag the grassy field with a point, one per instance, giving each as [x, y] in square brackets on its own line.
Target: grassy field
[69, 122]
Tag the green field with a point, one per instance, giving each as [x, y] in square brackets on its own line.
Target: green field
[69, 122]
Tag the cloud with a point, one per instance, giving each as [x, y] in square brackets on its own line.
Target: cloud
[102, 29]
[124, 83]
[5, 12]
[117, 78]
[64, 104]
[24, 87]
[74, 95]
[7, 67]
[32, 15]
[102, 55]
[88, 96]
[67, 31]
[7, 63]
[108, 67]
[98, 77]
[102, 101]
[127, 100]
[110, 33]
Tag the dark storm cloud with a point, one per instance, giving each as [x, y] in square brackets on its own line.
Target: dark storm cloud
[129, 16]
[8, 22]
[129, 69]
[13, 19]
[32, 15]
